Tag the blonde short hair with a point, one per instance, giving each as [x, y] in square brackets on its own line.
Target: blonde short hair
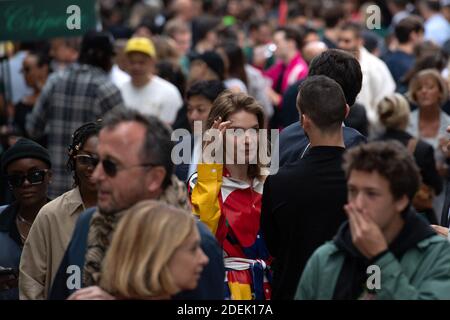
[136, 263]
[393, 112]
[414, 85]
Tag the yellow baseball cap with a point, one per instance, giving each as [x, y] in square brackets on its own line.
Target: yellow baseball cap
[142, 45]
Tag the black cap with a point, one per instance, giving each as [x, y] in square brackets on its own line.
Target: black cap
[213, 61]
[25, 148]
[97, 41]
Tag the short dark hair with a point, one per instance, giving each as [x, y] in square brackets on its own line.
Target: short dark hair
[332, 15]
[322, 99]
[406, 26]
[391, 160]
[157, 146]
[399, 3]
[204, 25]
[343, 68]
[292, 33]
[433, 5]
[207, 89]
[257, 23]
[97, 49]
[354, 27]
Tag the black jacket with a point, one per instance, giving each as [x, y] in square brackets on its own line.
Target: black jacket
[293, 142]
[302, 207]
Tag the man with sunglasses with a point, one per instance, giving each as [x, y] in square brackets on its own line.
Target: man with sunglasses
[26, 168]
[134, 165]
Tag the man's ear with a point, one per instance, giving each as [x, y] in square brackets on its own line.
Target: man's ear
[154, 179]
[347, 110]
[401, 203]
[305, 121]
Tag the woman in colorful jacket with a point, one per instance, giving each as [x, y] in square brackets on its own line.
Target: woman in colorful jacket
[226, 193]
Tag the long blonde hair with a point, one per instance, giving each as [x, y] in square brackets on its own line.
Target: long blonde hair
[136, 263]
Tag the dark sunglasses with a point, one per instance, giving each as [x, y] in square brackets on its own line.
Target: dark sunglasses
[87, 160]
[111, 169]
[35, 177]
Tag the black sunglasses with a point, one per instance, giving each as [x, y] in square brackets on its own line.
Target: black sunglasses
[111, 169]
[87, 160]
[34, 177]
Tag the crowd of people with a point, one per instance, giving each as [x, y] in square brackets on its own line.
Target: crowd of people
[95, 204]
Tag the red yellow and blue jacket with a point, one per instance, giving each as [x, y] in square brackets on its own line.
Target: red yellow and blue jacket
[231, 209]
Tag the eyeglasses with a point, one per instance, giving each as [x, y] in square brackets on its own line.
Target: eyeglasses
[111, 168]
[34, 177]
[87, 160]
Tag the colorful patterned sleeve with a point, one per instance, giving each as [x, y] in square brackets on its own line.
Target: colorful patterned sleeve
[205, 195]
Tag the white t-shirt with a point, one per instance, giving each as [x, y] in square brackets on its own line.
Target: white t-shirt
[159, 98]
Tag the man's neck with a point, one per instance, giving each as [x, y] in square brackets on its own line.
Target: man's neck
[407, 48]
[89, 198]
[140, 82]
[394, 228]
[331, 34]
[290, 56]
[331, 140]
[29, 213]
[238, 171]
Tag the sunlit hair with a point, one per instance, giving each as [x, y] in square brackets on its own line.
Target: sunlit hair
[414, 86]
[136, 265]
[229, 103]
[393, 112]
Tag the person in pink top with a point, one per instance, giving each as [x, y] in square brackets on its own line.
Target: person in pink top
[290, 66]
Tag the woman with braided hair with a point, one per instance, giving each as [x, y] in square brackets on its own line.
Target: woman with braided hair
[54, 224]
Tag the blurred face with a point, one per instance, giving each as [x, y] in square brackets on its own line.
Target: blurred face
[29, 193]
[198, 110]
[371, 192]
[30, 70]
[122, 146]
[198, 70]
[428, 93]
[61, 52]
[263, 35]
[246, 142]
[348, 41]
[183, 42]
[84, 167]
[143, 32]
[187, 263]
[282, 45]
[139, 65]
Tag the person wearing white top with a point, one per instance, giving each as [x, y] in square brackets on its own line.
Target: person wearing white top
[145, 91]
[377, 79]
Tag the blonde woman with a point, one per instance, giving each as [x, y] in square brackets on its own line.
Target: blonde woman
[155, 253]
[227, 196]
[429, 91]
[394, 114]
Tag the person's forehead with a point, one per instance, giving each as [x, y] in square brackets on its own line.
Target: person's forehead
[243, 117]
[122, 141]
[25, 164]
[199, 99]
[367, 179]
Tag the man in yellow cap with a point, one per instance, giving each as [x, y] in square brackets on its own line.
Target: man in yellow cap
[147, 92]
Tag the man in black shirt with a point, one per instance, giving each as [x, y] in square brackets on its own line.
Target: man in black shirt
[302, 204]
